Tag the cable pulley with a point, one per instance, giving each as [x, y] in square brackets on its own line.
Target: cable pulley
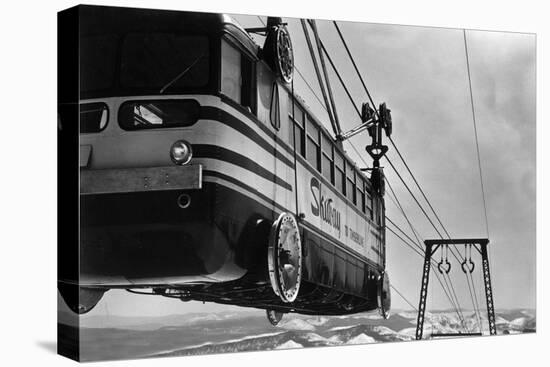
[367, 112]
[385, 119]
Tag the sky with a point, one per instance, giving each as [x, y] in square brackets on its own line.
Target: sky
[421, 74]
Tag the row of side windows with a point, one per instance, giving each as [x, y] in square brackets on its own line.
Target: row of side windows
[318, 149]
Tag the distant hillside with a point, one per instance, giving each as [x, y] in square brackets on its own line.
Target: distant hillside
[116, 337]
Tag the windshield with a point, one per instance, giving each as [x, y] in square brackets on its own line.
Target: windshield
[144, 63]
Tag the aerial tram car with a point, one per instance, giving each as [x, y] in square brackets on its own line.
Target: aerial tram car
[204, 177]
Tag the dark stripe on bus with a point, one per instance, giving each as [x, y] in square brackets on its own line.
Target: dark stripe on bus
[244, 186]
[229, 156]
[259, 123]
[214, 113]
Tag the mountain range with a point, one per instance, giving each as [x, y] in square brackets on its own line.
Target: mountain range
[119, 337]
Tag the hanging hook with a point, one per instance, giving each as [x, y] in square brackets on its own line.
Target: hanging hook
[464, 263]
[472, 264]
[447, 259]
[468, 265]
[447, 268]
[440, 263]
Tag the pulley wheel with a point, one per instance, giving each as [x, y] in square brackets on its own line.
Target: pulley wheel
[285, 257]
[285, 54]
[384, 295]
[274, 317]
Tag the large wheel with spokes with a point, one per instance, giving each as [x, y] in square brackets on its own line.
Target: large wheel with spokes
[285, 55]
[384, 295]
[274, 317]
[80, 300]
[278, 52]
[285, 257]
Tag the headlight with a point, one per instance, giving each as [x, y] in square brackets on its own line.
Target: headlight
[181, 152]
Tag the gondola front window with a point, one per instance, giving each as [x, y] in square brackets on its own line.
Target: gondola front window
[144, 64]
[164, 61]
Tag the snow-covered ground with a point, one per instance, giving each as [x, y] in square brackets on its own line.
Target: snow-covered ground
[361, 339]
[289, 345]
[220, 333]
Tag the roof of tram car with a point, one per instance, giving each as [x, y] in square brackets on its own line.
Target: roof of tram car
[119, 20]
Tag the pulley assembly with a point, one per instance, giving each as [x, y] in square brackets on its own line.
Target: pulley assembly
[376, 149]
[277, 50]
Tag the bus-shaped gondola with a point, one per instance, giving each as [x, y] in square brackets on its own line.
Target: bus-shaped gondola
[202, 177]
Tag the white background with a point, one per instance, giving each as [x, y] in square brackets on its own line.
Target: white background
[28, 181]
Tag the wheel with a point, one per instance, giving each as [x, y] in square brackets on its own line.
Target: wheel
[274, 317]
[384, 295]
[80, 300]
[278, 52]
[285, 258]
[285, 55]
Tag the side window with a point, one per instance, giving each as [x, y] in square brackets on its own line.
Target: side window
[299, 131]
[380, 209]
[326, 158]
[369, 203]
[231, 72]
[312, 144]
[248, 85]
[350, 188]
[238, 77]
[264, 91]
[376, 209]
[360, 187]
[339, 172]
[274, 112]
[290, 114]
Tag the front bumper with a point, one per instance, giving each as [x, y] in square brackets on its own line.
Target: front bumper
[128, 180]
